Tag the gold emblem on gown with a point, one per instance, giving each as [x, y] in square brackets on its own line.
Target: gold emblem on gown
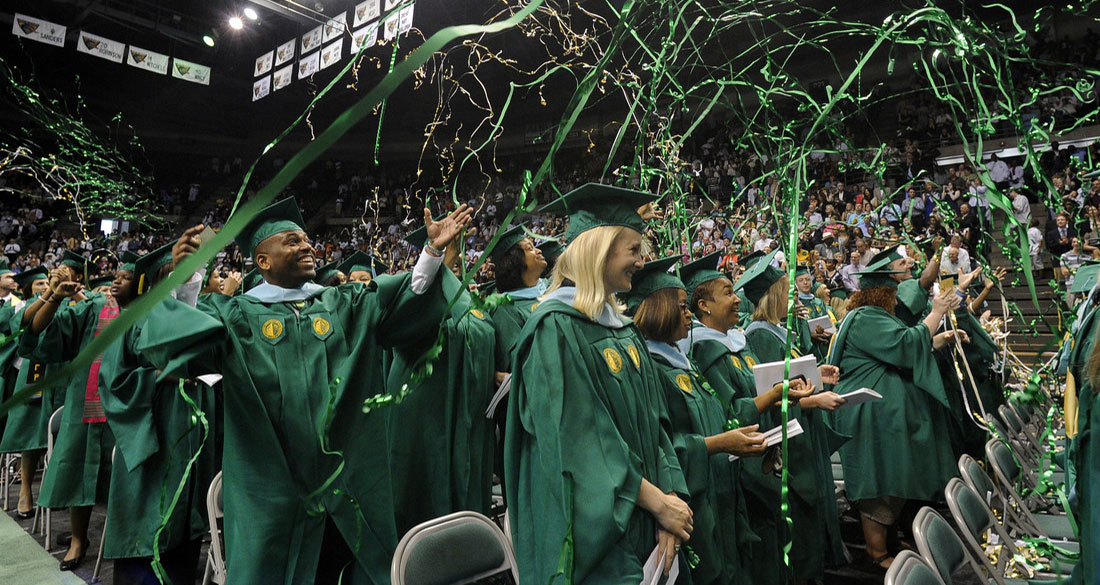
[634, 357]
[321, 326]
[684, 382]
[614, 360]
[272, 328]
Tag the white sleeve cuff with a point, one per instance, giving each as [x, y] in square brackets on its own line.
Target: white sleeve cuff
[423, 275]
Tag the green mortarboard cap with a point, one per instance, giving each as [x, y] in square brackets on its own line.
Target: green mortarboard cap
[77, 262]
[801, 269]
[884, 258]
[4, 266]
[1085, 278]
[551, 249]
[252, 280]
[839, 292]
[126, 261]
[418, 236]
[594, 205]
[652, 277]
[325, 272]
[878, 278]
[362, 261]
[277, 218]
[513, 236]
[147, 267]
[40, 273]
[760, 277]
[101, 281]
[750, 258]
[701, 271]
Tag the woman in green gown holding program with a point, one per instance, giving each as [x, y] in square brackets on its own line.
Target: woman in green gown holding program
[591, 476]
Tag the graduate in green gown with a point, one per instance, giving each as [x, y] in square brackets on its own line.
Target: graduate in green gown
[441, 442]
[1085, 452]
[815, 532]
[592, 480]
[898, 451]
[157, 436]
[705, 431]
[27, 425]
[720, 353]
[306, 479]
[362, 267]
[80, 468]
[815, 308]
[519, 266]
[551, 251]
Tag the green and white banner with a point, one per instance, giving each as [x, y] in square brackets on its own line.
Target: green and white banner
[189, 71]
[101, 47]
[148, 60]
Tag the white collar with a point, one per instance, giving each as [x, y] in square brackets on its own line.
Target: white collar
[608, 317]
[670, 352]
[270, 293]
[734, 339]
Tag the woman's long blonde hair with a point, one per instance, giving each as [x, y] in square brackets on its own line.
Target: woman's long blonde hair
[773, 306]
[583, 262]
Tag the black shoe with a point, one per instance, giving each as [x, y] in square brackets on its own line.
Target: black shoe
[71, 564]
[24, 515]
[64, 539]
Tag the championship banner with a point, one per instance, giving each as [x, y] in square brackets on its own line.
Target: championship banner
[406, 19]
[365, 12]
[189, 71]
[330, 55]
[282, 77]
[285, 52]
[39, 30]
[335, 27]
[101, 47]
[261, 88]
[148, 60]
[263, 63]
[311, 40]
[389, 26]
[308, 65]
[366, 36]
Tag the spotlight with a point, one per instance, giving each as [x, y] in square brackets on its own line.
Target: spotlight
[236, 23]
[250, 13]
[208, 40]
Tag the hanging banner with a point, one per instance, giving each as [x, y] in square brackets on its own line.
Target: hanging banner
[330, 55]
[189, 71]
[263, 63]
[308, 65]
[336, 27]
[282, 77]
[39, 30]
[365, 37]
[285, 52]
[389, 27]
[311, 40]
[101, 47]
[261, 88]
[148, 60]
[406, 19]
[365, 12]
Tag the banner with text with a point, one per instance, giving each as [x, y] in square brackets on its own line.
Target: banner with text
[148, 60]
[101, 47]
[189, 71]
[39, 30]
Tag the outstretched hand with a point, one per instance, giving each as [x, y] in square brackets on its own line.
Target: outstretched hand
[441, 233]
[187, 244]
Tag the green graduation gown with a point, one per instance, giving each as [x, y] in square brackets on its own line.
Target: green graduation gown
[296, 375]
[157, 434]
[898, 447]
[817, 308]
[730, 375]
[815, 539]
[441, 443]
[508, 320]
[722, 529]
[79, 471]
[587, 421]
[1083, 452]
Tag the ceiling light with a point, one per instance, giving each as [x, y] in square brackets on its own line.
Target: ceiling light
[250, 13]
[236, 23]
[208, 40]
